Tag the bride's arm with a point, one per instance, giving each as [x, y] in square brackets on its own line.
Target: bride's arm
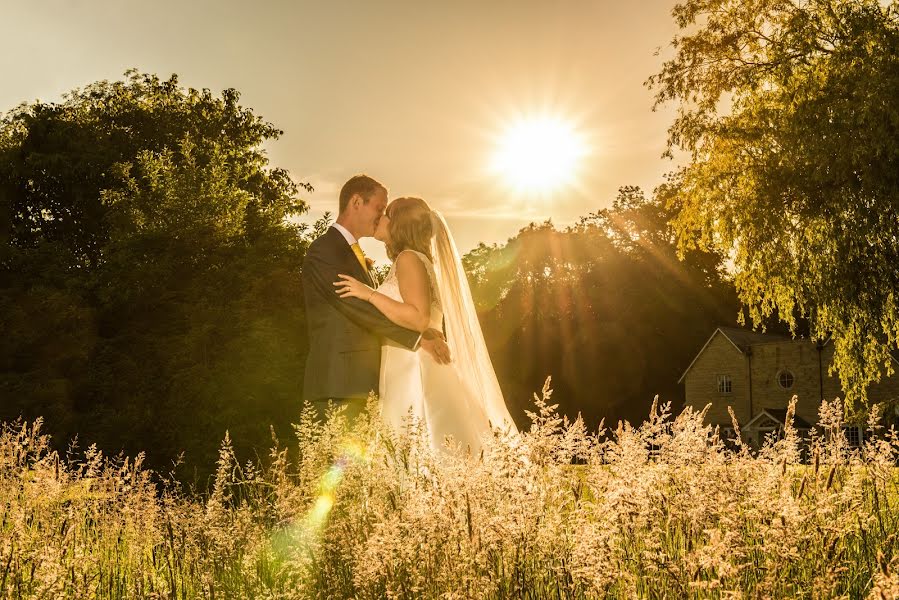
[415, 310]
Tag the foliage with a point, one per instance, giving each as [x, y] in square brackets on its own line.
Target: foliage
[789, 117]
[150, 282]
[665, 509]
[71, 172]
[605, 306]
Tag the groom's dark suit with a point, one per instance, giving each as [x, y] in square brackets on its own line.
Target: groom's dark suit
[345, 334]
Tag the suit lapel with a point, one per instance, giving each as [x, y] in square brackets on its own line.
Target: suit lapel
[367, 278]
[349, 258]
[371, 280]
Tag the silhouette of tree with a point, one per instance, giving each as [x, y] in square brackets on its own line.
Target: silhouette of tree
[151, 285]
[605, 307]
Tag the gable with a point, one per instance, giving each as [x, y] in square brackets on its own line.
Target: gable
[774, 418]
[717, 334]
[765, 422]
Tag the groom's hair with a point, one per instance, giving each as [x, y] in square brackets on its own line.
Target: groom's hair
[363, 185]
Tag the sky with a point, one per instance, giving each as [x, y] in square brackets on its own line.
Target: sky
[415, 94]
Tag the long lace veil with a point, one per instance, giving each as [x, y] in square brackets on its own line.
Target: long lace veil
[463, 330]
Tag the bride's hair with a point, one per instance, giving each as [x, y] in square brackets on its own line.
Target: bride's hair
[410, 227]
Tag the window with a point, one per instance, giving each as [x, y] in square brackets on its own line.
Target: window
[785, 379]
[853, 436]
[725, 386]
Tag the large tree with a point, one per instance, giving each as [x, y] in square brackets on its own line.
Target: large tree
[788, 114]
[91, 170]
[150, 290]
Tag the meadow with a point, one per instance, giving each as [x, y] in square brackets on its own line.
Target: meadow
[667, 509]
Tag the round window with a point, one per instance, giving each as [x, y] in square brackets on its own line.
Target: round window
[785, 379]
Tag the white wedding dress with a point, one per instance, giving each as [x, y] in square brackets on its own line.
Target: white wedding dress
[439, 396]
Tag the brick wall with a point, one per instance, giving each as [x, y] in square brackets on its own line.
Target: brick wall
[799, 357]
[720, 357]
[769, 360]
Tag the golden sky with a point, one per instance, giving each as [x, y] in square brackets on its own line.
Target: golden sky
[413, 93]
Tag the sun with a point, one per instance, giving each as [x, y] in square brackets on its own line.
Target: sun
[539, 154]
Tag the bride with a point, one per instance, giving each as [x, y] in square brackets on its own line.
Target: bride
[426, 288]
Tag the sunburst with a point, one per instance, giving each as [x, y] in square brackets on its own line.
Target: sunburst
[539, 154]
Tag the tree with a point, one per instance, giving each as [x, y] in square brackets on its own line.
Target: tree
[69, 171]
[150, 286]
[789, 114]
[605, 307]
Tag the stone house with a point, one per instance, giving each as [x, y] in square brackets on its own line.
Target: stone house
[757, 374]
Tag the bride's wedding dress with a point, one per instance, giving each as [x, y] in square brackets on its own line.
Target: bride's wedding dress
[461, 399]
[435, 393]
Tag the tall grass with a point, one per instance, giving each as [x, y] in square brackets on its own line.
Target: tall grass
[663, 510]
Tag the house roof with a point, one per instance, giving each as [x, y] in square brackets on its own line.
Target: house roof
[744, 338]
[778, 415]
[741, 339]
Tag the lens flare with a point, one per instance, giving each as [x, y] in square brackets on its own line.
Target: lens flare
[306, 531]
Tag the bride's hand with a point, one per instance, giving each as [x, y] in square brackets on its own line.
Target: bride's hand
[350, 287]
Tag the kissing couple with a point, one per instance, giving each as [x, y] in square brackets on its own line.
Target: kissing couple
[389, 339]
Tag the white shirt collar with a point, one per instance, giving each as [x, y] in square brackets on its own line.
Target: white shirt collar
[350, 239]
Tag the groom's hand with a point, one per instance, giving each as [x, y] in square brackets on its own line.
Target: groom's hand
[433, 342]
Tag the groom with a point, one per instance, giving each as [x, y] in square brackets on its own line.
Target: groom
[344, 360]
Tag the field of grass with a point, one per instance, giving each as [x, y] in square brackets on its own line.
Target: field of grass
[556, 512]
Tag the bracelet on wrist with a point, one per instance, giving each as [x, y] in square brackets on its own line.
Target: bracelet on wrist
[370, 296]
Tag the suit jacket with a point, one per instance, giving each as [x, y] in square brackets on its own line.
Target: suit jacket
[345, 334]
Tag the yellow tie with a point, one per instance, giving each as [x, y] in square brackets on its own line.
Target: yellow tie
[357, 250]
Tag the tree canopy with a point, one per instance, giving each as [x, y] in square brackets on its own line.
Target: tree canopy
[150, 282]
[604, 306]
[788, 113]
